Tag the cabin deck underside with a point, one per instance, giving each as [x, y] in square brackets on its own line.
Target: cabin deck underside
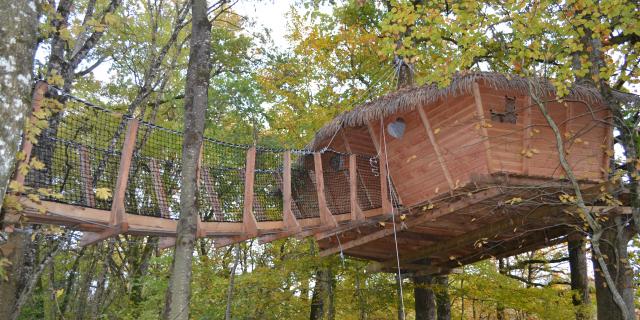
[496, 215]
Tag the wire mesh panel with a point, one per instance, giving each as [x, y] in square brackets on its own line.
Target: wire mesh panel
[303, 187]
[267, 186]
[368, 182]
[222, 179]
[80, 150]
[335, 170]
[155, 173]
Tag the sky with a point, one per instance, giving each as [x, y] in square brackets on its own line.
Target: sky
[270, 14]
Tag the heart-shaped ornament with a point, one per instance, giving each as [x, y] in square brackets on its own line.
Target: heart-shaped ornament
[396, 128]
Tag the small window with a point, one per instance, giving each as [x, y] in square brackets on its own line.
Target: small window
[509, 114]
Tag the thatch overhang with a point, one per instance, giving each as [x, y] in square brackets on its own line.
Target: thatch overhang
[410, 98]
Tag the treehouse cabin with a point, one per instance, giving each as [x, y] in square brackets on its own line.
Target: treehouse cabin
[447, 176]
[473, 168]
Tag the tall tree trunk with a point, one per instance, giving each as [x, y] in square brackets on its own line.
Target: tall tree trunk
[232, 277]
[579, 276]
[613, 245]
[425, 303]
[442, 298]
[196, 95]
[499, 306]
[322, 294]
[17, 51]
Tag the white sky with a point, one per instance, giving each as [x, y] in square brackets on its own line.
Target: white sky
[270, 14]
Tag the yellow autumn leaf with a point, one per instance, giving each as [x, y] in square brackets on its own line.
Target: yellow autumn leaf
[436, 131]
[36, 164]
[103, 193]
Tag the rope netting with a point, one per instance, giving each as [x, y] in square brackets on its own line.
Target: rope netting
[81, 150]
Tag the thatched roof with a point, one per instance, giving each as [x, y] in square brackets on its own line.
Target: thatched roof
[407, 99]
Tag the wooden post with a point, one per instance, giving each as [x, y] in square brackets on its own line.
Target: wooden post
[356, 212]
[118, 215]
[36, 105]
[212, 195]
[287, 213]
[118, 218]
[326, 218]
[249, 223]
[483, 126]
[158, 189]
[436, 148]
[384, 183]
[85, 173]
[527, 133]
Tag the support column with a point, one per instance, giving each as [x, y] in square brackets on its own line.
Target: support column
[425, 302]
[579, 276]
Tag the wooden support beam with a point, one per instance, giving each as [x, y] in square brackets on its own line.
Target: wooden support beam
[36, 105]
[212, 195]
[158, 188]
[506, 225]
[118, 214]
[356, 212]
[249, 223]
[527, 133]
[355, 163]
[326, 217]
[433, 214]
[85, 173]
[436, 148]
[384, 182]
[118, 218]
[287, 213]
[477, 97]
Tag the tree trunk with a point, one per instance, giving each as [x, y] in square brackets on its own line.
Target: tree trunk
[232, 277]
[16, 62]
[613, 245]
[196, 95]
[499, 306]
[579, 276]
[16, 250]
[321, 300]
[425, 303]
[442, 298]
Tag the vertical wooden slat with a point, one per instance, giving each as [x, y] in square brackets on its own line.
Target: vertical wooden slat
[384, 183]
[436, 148]
[212, 195]
[158, 188]
[483, 126]
[287, 213]
[356, 212]
[526, 134]
[36, 105]
[85, 173]
[249, 223]
[326, 218]
[118, 214]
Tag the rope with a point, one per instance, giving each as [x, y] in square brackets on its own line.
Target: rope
[393, 216]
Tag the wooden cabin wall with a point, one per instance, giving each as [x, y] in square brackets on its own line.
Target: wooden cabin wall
[528, 147]
[417, 171]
